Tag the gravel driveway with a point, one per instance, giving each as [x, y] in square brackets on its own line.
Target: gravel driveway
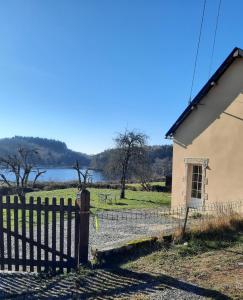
[100, 284]
[118, 227]
[110, 229]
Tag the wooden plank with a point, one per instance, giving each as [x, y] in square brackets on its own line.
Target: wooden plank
[84, 203]
[49, 249]
[42, 263]
[76, 236]
[54, 201]
[69, 231]
[51, 207]
[61, 238]
[1, 236]
[8, 230]
[38, 228]
[31, 232]
[16, 229]
[46, 231]
[66, 259]
[24, 233]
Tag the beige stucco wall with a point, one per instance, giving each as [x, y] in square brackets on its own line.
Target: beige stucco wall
[214, 130]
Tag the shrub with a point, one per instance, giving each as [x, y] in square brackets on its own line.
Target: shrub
[196, 215]
[159, 188]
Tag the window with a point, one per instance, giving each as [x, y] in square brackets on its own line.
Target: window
[196, 190]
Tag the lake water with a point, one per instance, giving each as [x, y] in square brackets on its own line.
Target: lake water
[62, 174]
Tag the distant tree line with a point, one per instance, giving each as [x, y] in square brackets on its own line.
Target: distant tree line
[53, 153]
[159, 159]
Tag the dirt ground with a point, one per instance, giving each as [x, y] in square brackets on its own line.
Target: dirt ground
[219, 270]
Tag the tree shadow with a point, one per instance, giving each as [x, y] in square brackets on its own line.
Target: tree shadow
[147, 201]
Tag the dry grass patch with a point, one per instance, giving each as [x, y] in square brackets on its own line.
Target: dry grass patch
[210, 257]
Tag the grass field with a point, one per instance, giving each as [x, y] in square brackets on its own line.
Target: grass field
[134, 199]
[138, 185]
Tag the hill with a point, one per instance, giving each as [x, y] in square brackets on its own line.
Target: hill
[160, 158]
[52, 153]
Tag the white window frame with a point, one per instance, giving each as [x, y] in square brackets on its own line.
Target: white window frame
[189, 162]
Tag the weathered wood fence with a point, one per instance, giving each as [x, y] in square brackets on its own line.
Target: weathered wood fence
[43, 234]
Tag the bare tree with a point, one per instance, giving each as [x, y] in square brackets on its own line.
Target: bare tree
[38, 173]
[143, 170]
[20, 165]
[84, 176]
[130, 147]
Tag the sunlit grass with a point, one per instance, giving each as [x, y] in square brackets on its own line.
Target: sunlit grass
[134, 199]
[139, 186]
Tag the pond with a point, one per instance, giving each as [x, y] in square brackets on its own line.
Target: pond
[61, 174]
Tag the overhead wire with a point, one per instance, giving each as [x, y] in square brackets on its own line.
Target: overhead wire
[197, 50]
[214, 39]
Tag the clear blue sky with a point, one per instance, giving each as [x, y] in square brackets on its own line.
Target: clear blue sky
[81, 71]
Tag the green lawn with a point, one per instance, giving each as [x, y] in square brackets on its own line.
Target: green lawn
[134, 199]
[138, 185]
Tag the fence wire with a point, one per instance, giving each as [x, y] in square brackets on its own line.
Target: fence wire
[111, 228]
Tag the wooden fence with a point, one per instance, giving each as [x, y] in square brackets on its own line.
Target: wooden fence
[43, 234]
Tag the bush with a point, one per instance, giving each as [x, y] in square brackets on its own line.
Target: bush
[196, 215]
[6, 190]
[159, 188]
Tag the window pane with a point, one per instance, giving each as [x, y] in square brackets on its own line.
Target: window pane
[200, 169]
[194, 185]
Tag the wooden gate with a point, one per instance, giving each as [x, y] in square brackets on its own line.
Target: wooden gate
[43, 234]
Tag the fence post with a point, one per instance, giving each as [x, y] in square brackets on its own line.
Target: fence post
[83, 201]
[185, 221]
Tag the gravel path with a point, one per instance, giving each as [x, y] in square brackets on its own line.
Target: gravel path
[108, 229]
[100, 284]
[120, 227]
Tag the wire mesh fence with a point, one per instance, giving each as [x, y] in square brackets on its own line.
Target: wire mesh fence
[111, 228]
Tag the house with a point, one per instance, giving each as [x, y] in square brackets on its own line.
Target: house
[208, 140]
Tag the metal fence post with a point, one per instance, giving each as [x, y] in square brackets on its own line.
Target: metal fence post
[185, 221]
[83, 201]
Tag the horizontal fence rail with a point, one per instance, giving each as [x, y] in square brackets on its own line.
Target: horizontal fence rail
[39, 234]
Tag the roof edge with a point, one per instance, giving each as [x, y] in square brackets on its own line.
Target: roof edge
[235, 53]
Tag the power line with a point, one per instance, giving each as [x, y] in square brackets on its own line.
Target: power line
[214, 39]
[198, 45]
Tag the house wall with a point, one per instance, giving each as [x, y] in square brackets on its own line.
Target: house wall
[214, 131]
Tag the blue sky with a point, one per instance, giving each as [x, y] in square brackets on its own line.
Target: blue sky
[81, 71]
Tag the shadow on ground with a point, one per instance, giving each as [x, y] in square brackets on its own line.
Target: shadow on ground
[101, 284]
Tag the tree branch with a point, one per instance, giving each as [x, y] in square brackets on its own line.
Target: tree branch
[5, 180]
